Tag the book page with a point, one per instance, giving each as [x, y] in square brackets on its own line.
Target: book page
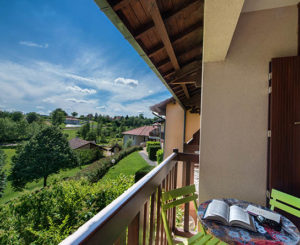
[237, 213]
[217, 208]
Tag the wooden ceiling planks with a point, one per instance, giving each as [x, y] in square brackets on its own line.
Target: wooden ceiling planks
[171, 34]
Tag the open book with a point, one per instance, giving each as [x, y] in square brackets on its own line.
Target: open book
[232, 216]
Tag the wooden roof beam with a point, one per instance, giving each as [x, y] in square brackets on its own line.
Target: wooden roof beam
[181, 36]
[162, 31]
[121, 4]
[189, 6]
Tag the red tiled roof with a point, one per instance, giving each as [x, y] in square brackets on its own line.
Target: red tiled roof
[77, 142]
[142, 131]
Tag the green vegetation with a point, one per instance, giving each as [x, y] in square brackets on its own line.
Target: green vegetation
[152, 152]
[2, 172]
[14, 127]
[51, 214]
[46, 153]
[160, 156]
[58, 116]
[99, 168]
[127, 166]
[86, 156]
[9, 152]
[71, 133]
[142, 172]
[10, 193]
[151, 143]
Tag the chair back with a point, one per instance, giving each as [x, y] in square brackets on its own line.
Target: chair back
[285, 202]
[174, 198]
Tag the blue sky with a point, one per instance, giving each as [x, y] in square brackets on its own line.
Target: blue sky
[66, 53]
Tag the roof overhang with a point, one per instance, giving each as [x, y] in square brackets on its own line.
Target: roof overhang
[168, 36]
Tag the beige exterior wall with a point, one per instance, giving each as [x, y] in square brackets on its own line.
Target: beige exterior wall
[174, 128]
[233, 155]
[192, 125]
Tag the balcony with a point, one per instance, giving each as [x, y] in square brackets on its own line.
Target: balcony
[134, 217]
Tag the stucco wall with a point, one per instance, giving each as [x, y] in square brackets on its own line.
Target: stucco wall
[174, 128]
[233, 155]
[192, 125]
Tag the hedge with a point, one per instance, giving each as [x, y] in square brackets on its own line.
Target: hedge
[86, 156]
[152, 152]
[99, 168]
[160, 156]
[142, 172]
[151, 143]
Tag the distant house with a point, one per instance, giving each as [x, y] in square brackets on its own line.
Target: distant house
[140, 135]
[78, 143]
[72, 121]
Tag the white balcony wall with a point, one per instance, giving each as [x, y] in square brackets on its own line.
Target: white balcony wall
[234, 117]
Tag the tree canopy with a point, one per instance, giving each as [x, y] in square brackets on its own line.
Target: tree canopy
[32, 117]
[45, 153]
[58, 116]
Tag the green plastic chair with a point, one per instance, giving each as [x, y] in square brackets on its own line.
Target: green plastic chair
[280, 199]
[174, 198]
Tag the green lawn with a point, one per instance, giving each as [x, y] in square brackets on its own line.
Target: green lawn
[9, 153]
[72, 133]
[128, 166]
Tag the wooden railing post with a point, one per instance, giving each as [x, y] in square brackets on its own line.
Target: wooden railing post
[133, 231]
[187, 206]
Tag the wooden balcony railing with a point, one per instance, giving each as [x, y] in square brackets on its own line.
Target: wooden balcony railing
[134, 217]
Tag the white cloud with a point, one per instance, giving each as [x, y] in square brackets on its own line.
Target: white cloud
[81, 101]
[127, 81]
[77, 89]
[72, 87]
[32, 44]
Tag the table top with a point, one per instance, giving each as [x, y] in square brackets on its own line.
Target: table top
[289, 233]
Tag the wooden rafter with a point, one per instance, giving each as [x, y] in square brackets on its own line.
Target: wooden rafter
[162, 31]
[122, 4]
[178, 38]
[167, 17]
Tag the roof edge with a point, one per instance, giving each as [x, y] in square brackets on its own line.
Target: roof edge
[114, 18]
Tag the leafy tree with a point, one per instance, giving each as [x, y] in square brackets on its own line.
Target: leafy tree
[2, 174]
[46, 153]
[91, 136]
[99, 129]
[16, 116]
[74, 114]
[32, 117]
[84, 130]
[58, 116]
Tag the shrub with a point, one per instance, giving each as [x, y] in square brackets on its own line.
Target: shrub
[151, 143]
[51, 214]
[129, 143]
[152, 152]
[142, 172]
[160, 156]
[99, 168]
[86, 156]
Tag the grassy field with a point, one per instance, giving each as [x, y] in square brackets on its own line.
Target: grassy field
[9, 153]
[128, 166]
[9, 193]
[72, 133]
